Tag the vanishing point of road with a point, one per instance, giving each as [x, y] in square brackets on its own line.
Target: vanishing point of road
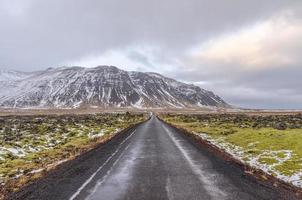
[150, 161]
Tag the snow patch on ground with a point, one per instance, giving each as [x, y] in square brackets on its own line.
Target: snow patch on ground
[92, 135]
[255, 161]
[16, 151]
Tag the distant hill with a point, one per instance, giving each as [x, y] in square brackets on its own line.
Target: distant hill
[104, 86]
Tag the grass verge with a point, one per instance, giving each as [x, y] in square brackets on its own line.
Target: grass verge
[32, 145]
[270, 143]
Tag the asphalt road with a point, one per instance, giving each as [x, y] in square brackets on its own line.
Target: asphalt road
[151, 161]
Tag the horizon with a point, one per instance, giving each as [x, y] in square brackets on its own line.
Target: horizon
[101, 99]
[235, 106]
[248, 53]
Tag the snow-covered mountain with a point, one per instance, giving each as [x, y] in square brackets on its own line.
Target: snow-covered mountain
[104, 86]
[6, 75]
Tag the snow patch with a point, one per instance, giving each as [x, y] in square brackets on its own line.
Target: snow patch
[255, 161]
[92, 135]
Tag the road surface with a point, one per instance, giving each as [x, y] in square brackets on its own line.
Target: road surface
[151, 161]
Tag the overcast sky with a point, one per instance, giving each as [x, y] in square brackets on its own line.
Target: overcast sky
[248, 52]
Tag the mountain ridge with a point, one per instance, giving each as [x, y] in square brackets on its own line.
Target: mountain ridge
[104, 86]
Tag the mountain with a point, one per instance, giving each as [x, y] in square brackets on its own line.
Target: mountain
[106, 86]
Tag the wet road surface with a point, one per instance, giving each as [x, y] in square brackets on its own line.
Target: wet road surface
[151, 161]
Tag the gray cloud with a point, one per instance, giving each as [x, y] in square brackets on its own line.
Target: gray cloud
[154, 35]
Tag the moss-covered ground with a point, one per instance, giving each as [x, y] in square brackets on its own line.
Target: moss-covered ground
[31, 144]
[272, 143]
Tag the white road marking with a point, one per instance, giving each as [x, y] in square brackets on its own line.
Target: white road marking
[107, 174]
[99, 169]
[209, 185]
[168, 189]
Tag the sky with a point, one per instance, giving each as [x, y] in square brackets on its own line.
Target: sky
[247, 52]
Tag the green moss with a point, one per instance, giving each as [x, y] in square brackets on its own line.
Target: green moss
[254, 135]
[54, 138]
[267, 160]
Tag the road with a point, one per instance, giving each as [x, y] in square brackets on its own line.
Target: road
[151, 161]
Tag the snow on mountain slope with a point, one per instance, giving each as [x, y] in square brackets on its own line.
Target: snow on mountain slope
[8, 79]
[6, 75]
[67, 87]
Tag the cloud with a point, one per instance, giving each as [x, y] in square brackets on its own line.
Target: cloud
[115, 58]
[51, 32]
[246, 51]
[14, 8]
[133, 58]
[272, 43]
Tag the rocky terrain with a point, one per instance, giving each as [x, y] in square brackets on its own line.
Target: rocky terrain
[103, 86]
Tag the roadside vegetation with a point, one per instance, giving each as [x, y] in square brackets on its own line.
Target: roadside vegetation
[272, 143]
[31, 145]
